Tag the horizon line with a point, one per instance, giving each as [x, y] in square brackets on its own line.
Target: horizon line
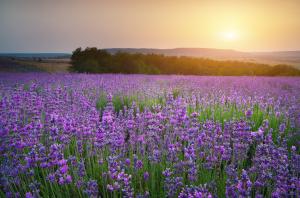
[70, 52]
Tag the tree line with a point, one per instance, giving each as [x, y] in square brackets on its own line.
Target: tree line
[93, 60]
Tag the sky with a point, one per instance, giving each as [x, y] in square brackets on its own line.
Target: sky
[64, 25]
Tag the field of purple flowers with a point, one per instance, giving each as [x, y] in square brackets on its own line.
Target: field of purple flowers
[80, 135]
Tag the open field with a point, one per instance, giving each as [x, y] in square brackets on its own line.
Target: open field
[51, 65]
[79, 135]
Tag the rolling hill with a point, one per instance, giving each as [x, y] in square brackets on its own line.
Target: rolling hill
[277, 57]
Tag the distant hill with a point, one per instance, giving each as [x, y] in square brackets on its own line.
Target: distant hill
[59, 62]
[273, 58]
[277, 57]
[150, 61]
[36, 55]
[195, 52]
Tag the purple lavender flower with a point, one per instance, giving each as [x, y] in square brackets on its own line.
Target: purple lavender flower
[51, 177]
[248, 113]
[127, 162]
[92, 188]
[29, 195]
[61, 180]
[282, 127]
[110, 187]
[64, 169]
[195, 192]
[68, 179]
[244, 185]
[146, 176]
[139, 164]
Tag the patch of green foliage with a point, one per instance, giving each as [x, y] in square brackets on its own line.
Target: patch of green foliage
[93, 60]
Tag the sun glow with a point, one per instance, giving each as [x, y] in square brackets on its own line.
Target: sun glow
[230, 36]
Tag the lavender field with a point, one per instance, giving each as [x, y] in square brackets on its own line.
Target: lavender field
[80, 135]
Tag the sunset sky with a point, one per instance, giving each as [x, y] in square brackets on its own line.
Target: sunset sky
[63, 25]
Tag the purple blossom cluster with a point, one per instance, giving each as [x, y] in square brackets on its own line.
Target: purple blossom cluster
[79, 135]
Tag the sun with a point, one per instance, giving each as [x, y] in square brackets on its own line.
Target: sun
[229, 36]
